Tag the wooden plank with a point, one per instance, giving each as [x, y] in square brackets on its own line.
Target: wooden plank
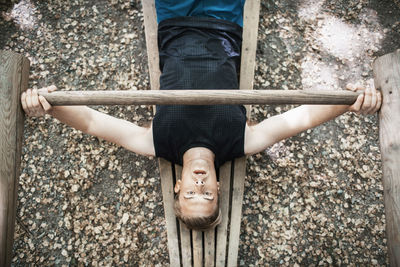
[236, 211]
[150, 23]
[14, 73]
[168, 199]
[185, 245]
[199, 97]
[150, 27]
[197, 237]
[222, 229]
[209, 248]
[387, 78]
[249, 45]
[249, 48]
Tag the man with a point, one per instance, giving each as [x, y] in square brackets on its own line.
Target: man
[199, 45]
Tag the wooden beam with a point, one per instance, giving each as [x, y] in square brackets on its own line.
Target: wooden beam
[387, 78]
[249, 45]
[199, 97]
[222, 229]
[167, 187]
[150, 26]
[239, 173]
[14, 74]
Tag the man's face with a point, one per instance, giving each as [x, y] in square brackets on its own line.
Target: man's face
[198, 189]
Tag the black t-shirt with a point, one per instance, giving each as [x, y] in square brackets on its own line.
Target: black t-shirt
[199, 53]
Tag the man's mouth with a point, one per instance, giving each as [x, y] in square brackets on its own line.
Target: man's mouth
[201, 172]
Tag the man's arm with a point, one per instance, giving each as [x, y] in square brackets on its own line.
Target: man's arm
[292, 122]
[121, 132]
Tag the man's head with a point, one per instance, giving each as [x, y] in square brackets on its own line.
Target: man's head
[196, 201]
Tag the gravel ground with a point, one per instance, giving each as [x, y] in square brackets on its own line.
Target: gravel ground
[314, 199]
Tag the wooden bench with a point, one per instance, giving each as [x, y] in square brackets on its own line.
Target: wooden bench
[219, 246]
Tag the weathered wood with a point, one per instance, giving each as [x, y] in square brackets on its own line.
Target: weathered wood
[168, 199]
[249, 45]
[387, 78]
[200, 97]
[14, 73]
[222, 230]
[239, 174]
[185, 245]
[150, 26]
[197, 237]
[209, 248]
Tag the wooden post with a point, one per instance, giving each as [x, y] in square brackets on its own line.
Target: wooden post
[387, 79]
[14, 74]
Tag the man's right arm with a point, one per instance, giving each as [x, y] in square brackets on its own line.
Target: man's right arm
[121, 132]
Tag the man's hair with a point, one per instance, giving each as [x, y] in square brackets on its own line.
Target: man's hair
[200, 223]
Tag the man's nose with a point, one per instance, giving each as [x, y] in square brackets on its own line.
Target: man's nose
[200, 183]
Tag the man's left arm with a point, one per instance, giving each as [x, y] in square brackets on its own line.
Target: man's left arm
[292, 122]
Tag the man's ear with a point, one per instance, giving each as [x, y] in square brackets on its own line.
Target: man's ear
[177, 187]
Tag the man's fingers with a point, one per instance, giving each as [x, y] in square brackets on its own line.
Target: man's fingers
[350, 86]
[29, 102]
[35, 102]
[373, 101]
[49, 89]
[23, 102]
[378, 101]
[52, 88]
[46, 106]
[367, 101]
[357, 105]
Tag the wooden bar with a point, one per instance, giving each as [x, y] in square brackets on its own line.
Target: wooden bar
[387, 78]
[150, 26]
[200, 97]
[197, 237]
[167, 187]
[209, 248]
[222, 229]
[185, 245]
[239, 174]
[249, 45]
[14, 74]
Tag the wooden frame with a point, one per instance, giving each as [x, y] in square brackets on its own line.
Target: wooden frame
[213, 247]
[14, 75]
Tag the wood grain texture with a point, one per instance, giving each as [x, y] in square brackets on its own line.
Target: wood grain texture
[209, 248]
[197, 237]
[222, 229]
[387, 78]
[14, 73]
[150, 26]
[239, 174]
[168, 198]
[165, 167]
[249, 44]
[199, 97]
[185, 244]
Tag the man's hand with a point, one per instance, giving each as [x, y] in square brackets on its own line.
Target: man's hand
[35, 105]
[367, 103]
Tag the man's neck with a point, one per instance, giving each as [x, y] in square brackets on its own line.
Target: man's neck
[198, 153]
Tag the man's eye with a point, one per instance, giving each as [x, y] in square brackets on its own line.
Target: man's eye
[208, 193]
[190, 192]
